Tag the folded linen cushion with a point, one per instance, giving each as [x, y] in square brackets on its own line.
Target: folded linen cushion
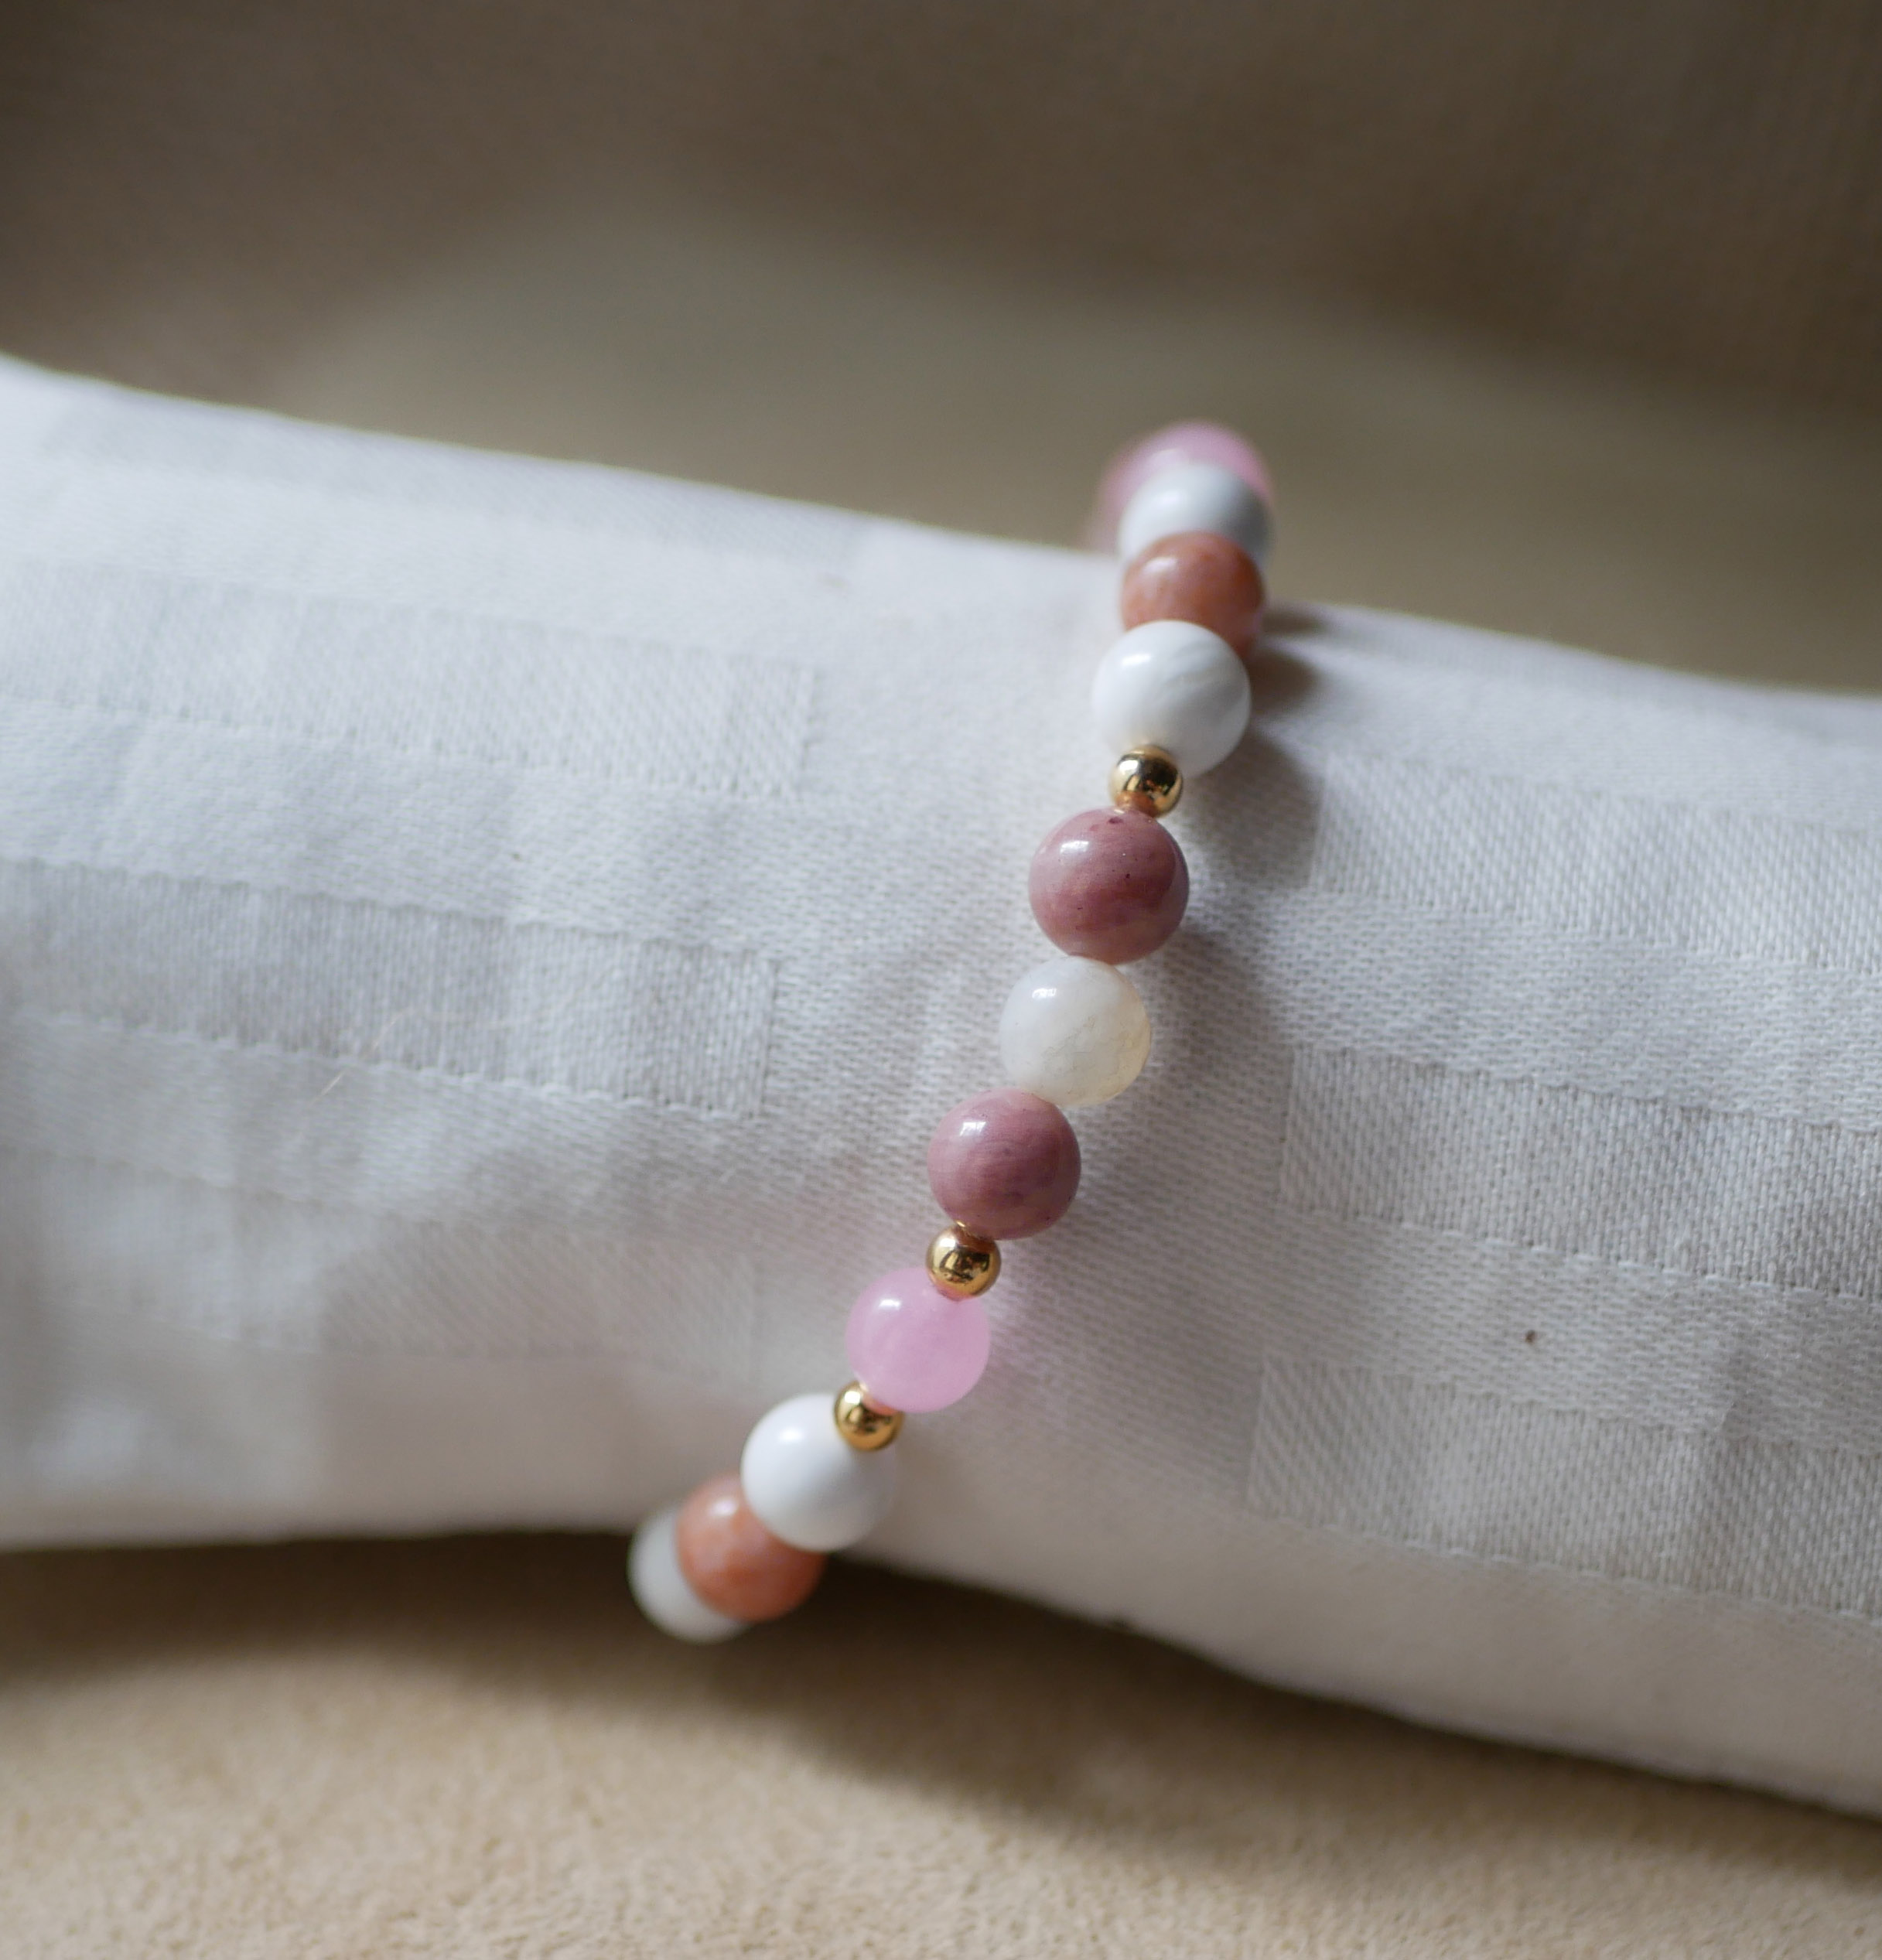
[484, 942]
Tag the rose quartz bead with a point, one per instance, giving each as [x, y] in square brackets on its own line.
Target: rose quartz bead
[1109, 885]
[1200, 577]
[914, 1347]
[732, 1563]
[1004, 1164]
[1137, 462]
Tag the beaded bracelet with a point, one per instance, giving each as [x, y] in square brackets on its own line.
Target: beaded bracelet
[1189, 508]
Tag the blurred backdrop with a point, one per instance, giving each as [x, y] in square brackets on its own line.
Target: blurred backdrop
[1563, 318]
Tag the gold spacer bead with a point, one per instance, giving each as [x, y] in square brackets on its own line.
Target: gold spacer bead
[861, 1424]
[1148, 781]
[963, 1263]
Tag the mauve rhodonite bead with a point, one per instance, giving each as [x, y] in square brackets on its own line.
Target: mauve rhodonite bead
[1109, 885]
[1004, 1164]
[736, 1566]
[1200, 577]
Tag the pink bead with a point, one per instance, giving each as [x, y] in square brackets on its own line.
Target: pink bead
[914, 1347]
[1109, 885]
[1137, 462]
[1004, 1164]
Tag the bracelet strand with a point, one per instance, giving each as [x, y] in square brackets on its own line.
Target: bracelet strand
[1190, 510]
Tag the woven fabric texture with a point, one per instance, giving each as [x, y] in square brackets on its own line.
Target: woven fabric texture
[484, 942]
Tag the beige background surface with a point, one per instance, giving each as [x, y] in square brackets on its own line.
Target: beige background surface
[1693, 186]
[758, 345]
[472, 1747]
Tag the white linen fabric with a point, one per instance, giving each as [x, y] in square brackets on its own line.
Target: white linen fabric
[484, 942]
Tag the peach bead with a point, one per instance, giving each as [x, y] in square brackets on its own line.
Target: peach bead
[735, 1565]
[1200, 577]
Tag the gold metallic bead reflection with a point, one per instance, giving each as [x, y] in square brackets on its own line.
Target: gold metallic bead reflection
[962, 1262]
[863, 1427]
[1147, 780]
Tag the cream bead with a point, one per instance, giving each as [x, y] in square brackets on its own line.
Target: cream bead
[1196, 496]
[660, 1587]
[807, 1485]
[1172, 686]
[1074, 1031]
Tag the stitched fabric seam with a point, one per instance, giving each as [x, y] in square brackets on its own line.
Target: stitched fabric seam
[724, 784]
[1581, 936]
[390, 1065]
[59, 452]
[1635, 1424]
[460, 1358]
[255, 888]
[1831, 1125]
[1628, 1581]
[1321, 750]
[1543, 1247]
[1419, 662]
[348, 1208]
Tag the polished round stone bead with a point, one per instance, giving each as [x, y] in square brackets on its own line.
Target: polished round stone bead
[1004, 1164]
[1196, 496]
[1074, 1031]
[733, 1563]
[1176, 687]
[1193, 442]
[1199, 577]
[1110, 885]
[914, 1347]
[806, 1484]
[661, 1590]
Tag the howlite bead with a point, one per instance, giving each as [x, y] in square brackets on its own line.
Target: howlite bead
[660, 1589]
[1173, 686]
[805, 1483]
[1192, 442]
[1196, 496]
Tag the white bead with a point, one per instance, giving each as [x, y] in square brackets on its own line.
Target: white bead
[809, 1486]
[661, 1588]
[1196, 496]
[1172, 686]
[1074, 1032]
